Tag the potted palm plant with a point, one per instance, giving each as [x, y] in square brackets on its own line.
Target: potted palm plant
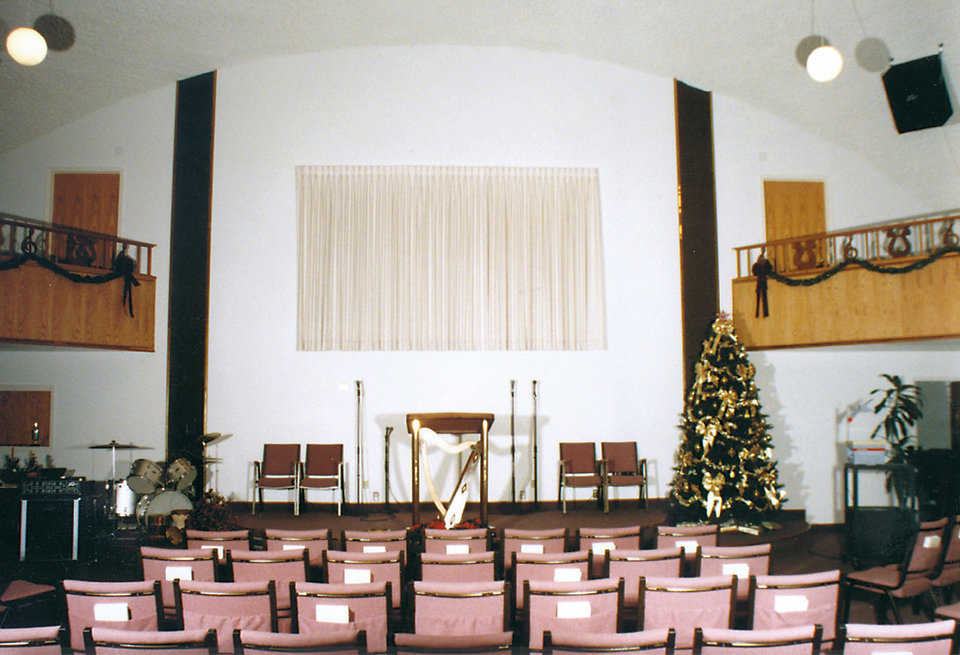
[903, 407]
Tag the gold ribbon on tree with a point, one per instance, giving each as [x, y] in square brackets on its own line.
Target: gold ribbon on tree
[713, 485]
[707, 428]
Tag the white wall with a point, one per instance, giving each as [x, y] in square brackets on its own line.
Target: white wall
[446, 105]
[98, 395]
[439, 105]
[804, 390]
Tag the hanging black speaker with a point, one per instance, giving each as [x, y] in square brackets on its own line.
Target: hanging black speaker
[917, 93]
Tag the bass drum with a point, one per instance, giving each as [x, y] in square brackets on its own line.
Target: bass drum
[153, 512]
[124, 499]
[145, 476]
[181, 474]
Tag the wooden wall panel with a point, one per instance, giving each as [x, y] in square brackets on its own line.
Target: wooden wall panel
[18, 412]
[42, 307]
[854, 306]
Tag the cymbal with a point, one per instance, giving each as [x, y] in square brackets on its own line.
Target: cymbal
[113, 445]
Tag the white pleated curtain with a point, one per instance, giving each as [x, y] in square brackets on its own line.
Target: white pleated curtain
[449, 258]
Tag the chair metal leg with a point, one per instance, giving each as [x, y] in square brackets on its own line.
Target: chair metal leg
[893, 606]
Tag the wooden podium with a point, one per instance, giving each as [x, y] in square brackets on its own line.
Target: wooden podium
[458, 423]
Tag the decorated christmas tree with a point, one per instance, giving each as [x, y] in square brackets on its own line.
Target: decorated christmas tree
[724, 469]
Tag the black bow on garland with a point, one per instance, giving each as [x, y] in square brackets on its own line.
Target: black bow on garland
[763, 270]
[123, 266]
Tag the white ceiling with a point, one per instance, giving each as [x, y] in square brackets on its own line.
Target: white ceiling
[739, 48]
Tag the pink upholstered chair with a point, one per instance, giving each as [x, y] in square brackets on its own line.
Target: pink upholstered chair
[587, 606]
[343, 641]
[599, 540]
[279, 470]
[624, 469]
[460, 608]
[322, 607]
[686, 603]
[631, 565]
[219, 540]
[453, 542]
[579, 468]
[120, 605]
[105, 641]
[781, 601]
[169, 564]
[937, 638]
[800, 640]
[324, 470]
[909, 579]
[647, 642]
[688, 537]
[46, 640]
[552, 540]
[344, 567]
[20, 596]
[469, 567]
[544, 568]
[374, 541]
[283, 567]
[948, 573]
[226, 606]
[738, 561]
[498, 643]
[313, 541]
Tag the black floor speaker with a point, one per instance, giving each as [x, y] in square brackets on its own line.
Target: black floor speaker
[917, 93]
[56, 529]
[879, 535]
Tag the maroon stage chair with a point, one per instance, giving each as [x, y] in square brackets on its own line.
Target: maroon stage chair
[279, 470]
[580, 468]
[324, 470]
[363, 606]
[623, 468]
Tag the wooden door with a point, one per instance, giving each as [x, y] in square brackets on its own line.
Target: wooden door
[795, 209]
[86, 201]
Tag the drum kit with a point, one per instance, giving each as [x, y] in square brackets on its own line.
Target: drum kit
[153, 491]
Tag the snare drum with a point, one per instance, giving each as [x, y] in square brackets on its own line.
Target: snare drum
[124, 499]
[145, 476]
[181, 474]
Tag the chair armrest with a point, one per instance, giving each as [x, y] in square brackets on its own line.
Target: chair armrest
[642, 467]
[256, 471]
[600, 466]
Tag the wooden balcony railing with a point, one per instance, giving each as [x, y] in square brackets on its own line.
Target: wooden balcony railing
[67, 287]
[70, 246]
[889, 282]
[893, 243]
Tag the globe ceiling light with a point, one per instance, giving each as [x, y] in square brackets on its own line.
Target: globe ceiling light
[26, 46]
[824, 63]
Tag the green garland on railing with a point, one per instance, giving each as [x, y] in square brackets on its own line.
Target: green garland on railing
[764, 272]
[123, 266]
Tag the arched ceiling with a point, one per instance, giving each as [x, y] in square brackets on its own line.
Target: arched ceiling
[741, 49]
